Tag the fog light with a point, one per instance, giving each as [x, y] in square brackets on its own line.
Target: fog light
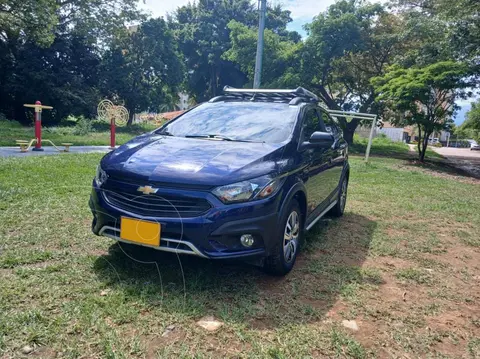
[247, 240]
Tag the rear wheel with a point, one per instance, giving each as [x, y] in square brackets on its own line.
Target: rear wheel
[287, 242]
[339, 208]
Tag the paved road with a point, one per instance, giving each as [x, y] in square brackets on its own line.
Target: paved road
[49, 150]
[463, 158]
[452, 152]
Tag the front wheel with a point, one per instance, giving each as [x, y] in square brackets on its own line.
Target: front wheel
[287, 242]
[339, 208]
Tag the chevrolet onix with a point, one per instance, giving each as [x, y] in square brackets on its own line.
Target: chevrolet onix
[241, 176]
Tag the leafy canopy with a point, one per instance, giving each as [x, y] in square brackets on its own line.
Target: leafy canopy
[281, 59]
[349, 44]
[425, 96]
[144, 69]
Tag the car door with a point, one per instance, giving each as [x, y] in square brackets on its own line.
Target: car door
[335, 154]
[316, 161]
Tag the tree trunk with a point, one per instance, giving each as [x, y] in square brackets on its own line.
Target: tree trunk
[424, 146]
[349, 130]
[131, 114]
[419, 141]
[348, 136]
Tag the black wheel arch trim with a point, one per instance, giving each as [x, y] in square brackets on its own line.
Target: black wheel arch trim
[297, 188]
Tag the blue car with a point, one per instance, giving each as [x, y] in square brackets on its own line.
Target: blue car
[241, 176]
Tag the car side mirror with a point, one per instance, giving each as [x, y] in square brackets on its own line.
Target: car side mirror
[321, 139]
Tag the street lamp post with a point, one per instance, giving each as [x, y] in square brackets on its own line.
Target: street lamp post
[258, 59]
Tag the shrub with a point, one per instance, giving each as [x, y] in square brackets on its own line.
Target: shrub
[59, 130]
[7, 124]
[83, 127]
[100, 125]
[70, 121]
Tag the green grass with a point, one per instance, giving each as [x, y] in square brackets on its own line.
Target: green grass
[380, 146]
[383, 146]
[403, 258]
[98, 135]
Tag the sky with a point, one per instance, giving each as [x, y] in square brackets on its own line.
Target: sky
[302, 12]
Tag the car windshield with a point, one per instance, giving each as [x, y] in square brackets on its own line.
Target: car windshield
[236, 121]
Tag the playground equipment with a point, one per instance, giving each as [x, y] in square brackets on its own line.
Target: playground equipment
[38, 124]
[25, 145]
[115, 115]
[362, 116]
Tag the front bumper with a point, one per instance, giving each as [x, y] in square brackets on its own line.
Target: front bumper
[215, 234]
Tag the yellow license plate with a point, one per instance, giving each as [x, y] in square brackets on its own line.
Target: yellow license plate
[144, 232]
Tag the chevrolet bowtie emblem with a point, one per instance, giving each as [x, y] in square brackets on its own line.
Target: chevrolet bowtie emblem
[147, 189]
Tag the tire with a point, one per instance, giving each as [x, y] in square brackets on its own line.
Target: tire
[339, 208]
[285, 250]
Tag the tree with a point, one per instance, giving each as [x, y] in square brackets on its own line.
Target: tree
[281, 59]
[470, 128]
[424, 97]
[51, 49]
[144, 69]
[458, 22]
[348, 45]
[39, 21]
[99, 21]
[204, 37]
[33, 19]
[64, 75]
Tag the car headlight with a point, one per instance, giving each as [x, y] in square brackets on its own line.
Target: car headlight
[101, 176]
[258, 188]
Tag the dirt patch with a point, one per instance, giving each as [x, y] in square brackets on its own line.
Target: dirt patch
[44, 352]
[443, 169]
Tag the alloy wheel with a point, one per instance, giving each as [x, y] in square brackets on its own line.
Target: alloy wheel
[291, 236]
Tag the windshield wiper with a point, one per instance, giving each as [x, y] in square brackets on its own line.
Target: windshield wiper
[218, 137]
[165, 133]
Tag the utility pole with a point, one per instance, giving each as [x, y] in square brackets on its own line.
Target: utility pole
[258, 60]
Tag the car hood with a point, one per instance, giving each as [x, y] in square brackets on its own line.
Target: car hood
[179, 160]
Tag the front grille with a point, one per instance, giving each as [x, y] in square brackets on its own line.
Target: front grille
[156, 205]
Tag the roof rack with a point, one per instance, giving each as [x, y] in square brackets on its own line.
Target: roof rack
[293, 97]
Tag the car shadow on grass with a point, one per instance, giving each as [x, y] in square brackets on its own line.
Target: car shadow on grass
[328, 268]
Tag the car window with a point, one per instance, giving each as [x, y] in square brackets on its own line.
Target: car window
[330, 125]
[311, 123]
[252, 121]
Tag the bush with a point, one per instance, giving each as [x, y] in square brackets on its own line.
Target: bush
[7, 124]
[63, 131]
[70, 121]
[83, 127]
[100, 125]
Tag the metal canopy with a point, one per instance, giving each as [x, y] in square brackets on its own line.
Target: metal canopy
[362, 116]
